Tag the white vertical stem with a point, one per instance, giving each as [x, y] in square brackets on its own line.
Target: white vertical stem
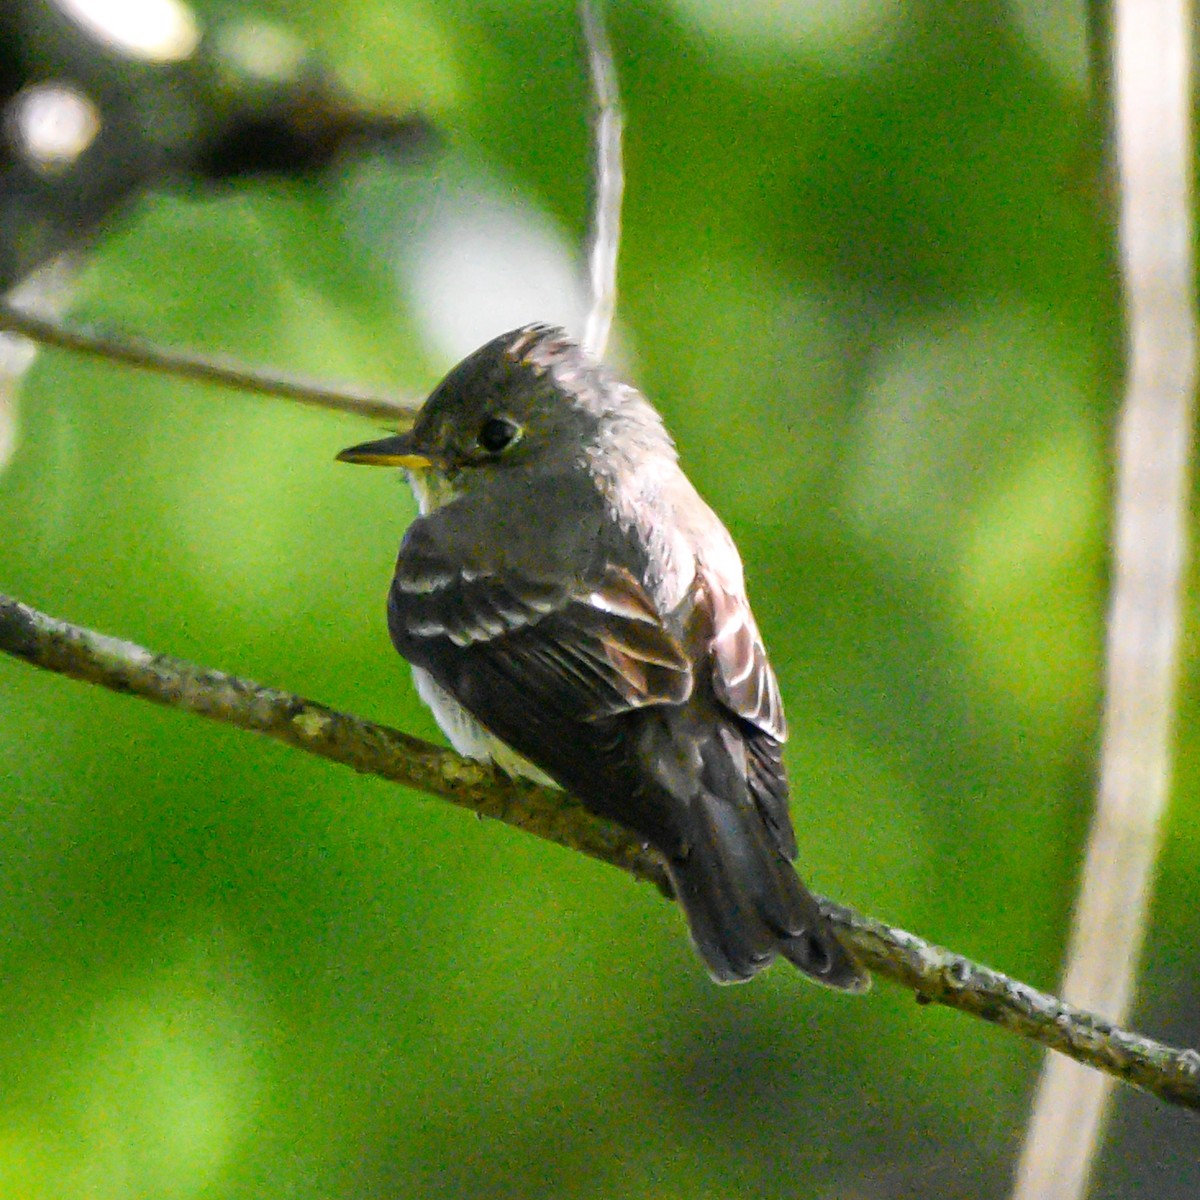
[608, 182]
[1151, 42]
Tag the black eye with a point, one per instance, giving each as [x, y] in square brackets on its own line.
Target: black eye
[497, 433]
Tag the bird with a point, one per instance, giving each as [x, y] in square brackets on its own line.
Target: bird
[575, 613]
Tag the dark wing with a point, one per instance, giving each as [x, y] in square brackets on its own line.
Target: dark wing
[497, 635]
[745, 684]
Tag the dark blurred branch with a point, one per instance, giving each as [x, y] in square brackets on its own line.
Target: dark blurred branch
[247, 100]
[146, 357]
[936, 975]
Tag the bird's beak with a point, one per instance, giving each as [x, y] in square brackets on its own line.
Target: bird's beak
[395, 451]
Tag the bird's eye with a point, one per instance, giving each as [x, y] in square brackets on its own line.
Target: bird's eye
[497, 433]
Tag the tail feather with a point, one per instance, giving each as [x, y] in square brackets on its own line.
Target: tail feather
[745, 904]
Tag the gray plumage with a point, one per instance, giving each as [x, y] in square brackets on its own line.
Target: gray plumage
[574, 610]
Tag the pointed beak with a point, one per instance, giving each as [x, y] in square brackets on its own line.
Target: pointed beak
[395, 451]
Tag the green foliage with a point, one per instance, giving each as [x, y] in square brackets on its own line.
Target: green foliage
[871, 292]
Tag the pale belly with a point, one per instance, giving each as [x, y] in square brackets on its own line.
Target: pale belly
[470, 738]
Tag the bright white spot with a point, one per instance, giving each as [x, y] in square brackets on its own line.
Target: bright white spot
[261, 50]
[484, 261]
[166, 1077]
[55, 123]
[951, 409]
[845, 36]
[1057, 33]
[15, 356]
[46, 291]
[154, 30]
[8, 409]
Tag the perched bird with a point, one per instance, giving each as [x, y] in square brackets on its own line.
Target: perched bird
[576, 613]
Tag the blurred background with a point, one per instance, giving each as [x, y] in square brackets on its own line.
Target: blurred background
[867, 277]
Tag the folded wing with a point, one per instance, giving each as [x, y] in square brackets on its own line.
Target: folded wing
[558, 647]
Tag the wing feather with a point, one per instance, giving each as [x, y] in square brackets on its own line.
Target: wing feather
[745, 684]
[590, 649]
[742, 675]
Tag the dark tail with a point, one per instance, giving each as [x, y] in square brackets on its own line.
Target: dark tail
[745, 904]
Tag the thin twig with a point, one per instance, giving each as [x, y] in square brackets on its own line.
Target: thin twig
[46, 331]
[608, 181]
[603, 252]
[1154, 159]
[935, 974]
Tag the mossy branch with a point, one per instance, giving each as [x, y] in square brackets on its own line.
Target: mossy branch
[936, 975]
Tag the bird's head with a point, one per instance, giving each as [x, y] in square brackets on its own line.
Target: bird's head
[530, 399]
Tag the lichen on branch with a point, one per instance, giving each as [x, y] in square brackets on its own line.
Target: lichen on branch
[934, 974]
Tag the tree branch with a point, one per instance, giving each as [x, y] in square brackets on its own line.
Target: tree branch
[46, 331]
[935, 974]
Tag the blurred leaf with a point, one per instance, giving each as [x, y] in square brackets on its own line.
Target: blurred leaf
[873, 300]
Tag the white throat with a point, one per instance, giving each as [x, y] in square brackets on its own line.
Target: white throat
[431, 488]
